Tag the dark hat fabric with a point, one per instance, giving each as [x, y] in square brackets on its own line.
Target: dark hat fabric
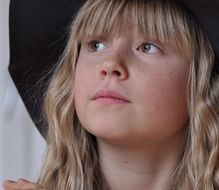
[206, 13]
[38, 34]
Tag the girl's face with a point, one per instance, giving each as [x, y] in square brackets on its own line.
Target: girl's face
[129, 89]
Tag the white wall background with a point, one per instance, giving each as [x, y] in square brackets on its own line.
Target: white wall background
[21, 145]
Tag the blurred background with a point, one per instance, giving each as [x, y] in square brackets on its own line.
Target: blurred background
[21, 145]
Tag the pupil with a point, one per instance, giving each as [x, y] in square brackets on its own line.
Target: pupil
[146, 47]
[96, 45]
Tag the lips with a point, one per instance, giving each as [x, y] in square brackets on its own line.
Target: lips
[110, 96]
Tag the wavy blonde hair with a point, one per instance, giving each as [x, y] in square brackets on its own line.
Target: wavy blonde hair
[72, 156]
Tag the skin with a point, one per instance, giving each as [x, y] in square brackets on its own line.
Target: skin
[154, 82]
[20, 184]
[139, 141]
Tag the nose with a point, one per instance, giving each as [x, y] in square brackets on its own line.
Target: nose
[114, 66]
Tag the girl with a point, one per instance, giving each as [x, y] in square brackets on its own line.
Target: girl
[134, 102]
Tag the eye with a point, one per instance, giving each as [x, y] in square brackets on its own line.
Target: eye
[96, 46]
[149, 48]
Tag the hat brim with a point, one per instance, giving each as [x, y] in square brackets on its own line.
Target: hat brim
[38, 34]
[207, 15]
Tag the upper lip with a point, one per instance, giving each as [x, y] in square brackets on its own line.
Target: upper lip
[106, 93]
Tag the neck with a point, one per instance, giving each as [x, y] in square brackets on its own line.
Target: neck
[139, 167]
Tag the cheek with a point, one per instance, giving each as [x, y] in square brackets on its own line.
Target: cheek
[164, 101]
[83, 79]
[171, 99]
[83, 88]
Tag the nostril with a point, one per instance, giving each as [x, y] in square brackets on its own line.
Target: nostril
[103, 73]
[117, 73]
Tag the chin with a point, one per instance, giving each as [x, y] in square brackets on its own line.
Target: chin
[108, 131]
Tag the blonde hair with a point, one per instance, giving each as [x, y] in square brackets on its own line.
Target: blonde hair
[72, 157]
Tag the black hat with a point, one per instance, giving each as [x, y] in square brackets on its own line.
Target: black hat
[206, 13]
[38, 34]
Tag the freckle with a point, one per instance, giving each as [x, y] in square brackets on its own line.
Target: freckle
[126, 162]
[157, 108]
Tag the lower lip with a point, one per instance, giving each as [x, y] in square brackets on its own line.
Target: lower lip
[106, 100]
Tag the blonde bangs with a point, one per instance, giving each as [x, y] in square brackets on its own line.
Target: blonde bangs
[160, 21]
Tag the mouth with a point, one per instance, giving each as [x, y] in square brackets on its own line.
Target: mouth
[110, 97]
